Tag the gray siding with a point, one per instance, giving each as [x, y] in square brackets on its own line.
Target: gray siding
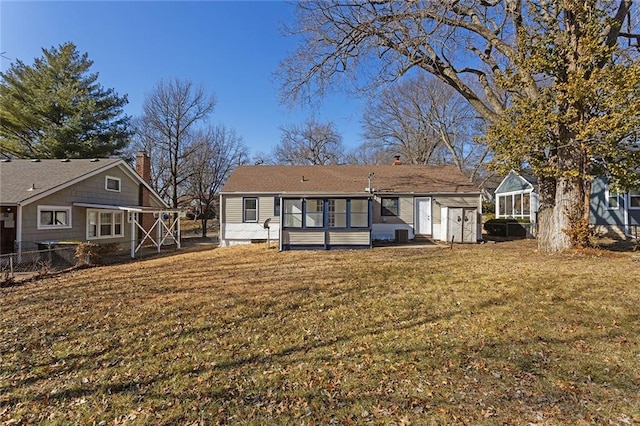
[303, 237]
[407, 207]
[359, 238]
[473, 201]
[405, 210]
[233, 209]
[91, 190]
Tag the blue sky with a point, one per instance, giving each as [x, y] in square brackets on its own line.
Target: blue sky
[232, 47]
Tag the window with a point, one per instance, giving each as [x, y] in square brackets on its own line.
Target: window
[502, 206]
[276, 206]
[314, 215]
[292, 215]
[53, 217]
[112, 184]
[325, 213]
[514, 205]
[509, 205]
[250, 209]
[92, 224]
[359, 215]
[517, 205]
[389, 206]
[104, 224]
[613, 199]
[337, 213]
[634, 199]
[526, 205]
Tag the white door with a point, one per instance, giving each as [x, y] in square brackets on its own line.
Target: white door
[469, 230]
[454, 227]
[422, 220]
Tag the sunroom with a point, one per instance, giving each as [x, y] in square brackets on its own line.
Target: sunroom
[516, 198]
[326, 222]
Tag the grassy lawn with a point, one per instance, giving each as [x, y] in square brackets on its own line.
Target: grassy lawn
[491, 334]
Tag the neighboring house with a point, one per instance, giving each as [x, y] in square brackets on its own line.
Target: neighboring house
[97, 200]
[345, 206]
[610, 212]
[488, 186]
[516, 197]
[613, 213]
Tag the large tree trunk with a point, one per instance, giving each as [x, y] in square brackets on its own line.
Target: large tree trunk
[556, 221]
[564, 204]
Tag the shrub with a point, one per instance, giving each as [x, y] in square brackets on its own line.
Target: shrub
[93, 254]
[505, 228]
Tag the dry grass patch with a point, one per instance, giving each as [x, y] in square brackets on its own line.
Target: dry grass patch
[478, 334]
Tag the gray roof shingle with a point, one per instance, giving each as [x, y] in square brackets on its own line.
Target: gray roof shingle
[18, 176]
[347, 179]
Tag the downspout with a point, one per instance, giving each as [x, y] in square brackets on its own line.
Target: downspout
[159, 230]
[627, 201]
[280, 233]
[133, 216]
[221, 221]
[179, 235]
[19, 231]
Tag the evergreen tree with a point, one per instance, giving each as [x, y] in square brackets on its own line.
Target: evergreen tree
[56, 109]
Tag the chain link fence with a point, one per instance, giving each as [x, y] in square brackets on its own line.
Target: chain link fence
[50, 257]
[36, 262]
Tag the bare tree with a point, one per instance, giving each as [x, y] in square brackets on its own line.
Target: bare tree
[313, 143]
[220, 151]
[521, 64]
[145, 139]
[369, 153]
[426, 122]
[171, 114]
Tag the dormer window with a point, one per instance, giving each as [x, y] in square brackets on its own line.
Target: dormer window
[112, 184]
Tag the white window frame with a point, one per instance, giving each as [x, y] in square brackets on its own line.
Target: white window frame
[244, 210]
[634, 194]
[55, 209]
[608, 195]
[113, 178]
[510, 204]
[98, 235]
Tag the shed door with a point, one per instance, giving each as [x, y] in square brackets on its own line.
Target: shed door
[454, 230]
[462, 225]
[469, 226]
[423, 216]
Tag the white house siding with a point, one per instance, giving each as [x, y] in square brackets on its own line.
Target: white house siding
[245, 233]
[387, 231]
[90, 190]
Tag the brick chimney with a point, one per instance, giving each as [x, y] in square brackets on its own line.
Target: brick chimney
[396, 161]
[143, 167]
